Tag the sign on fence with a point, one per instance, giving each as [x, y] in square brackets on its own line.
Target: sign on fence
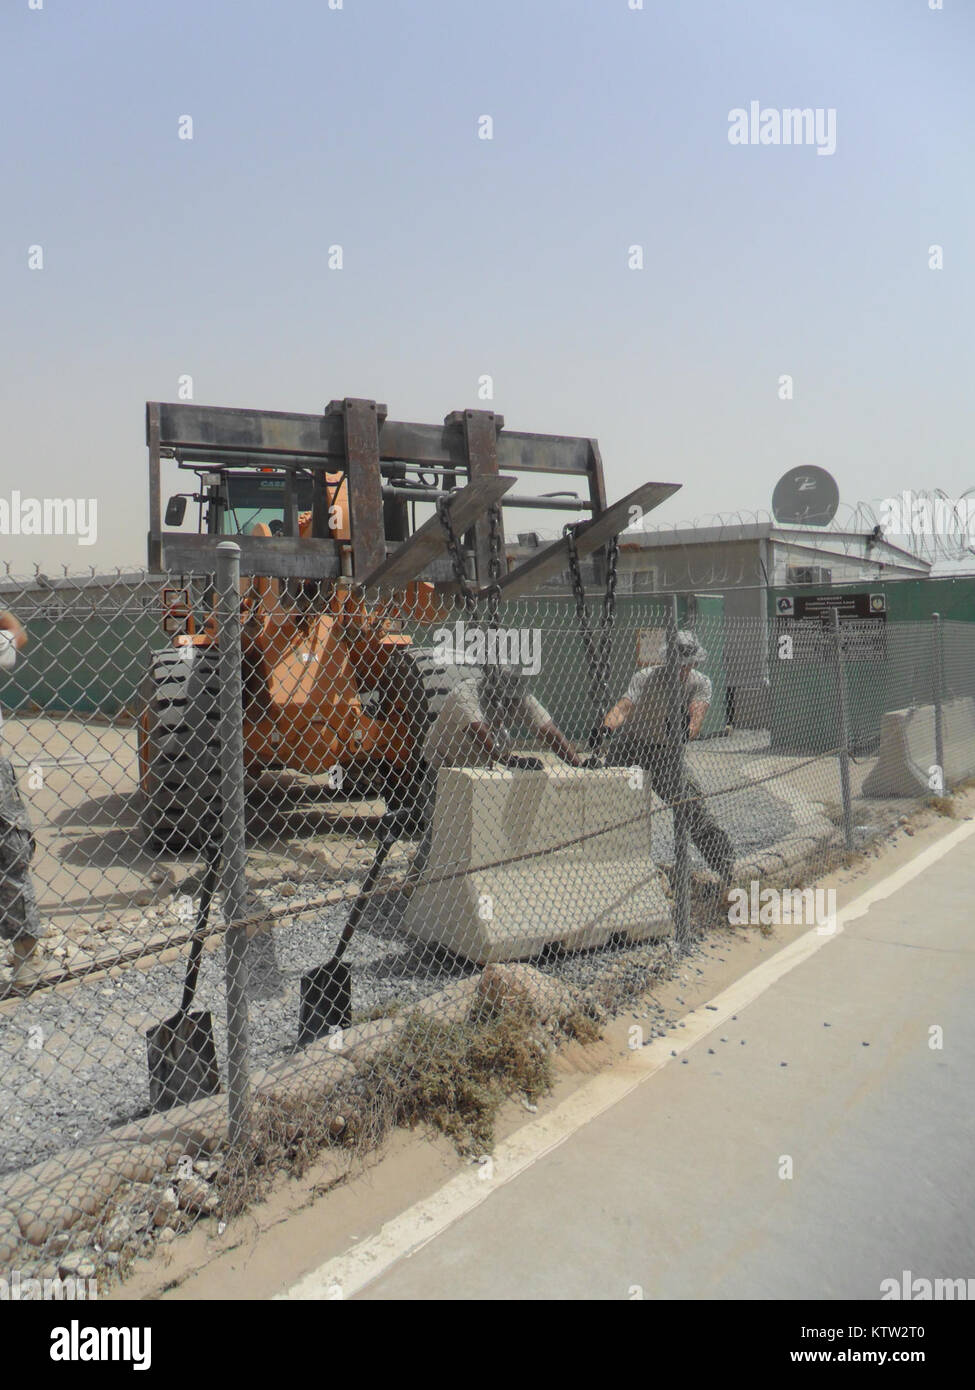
[807, 618]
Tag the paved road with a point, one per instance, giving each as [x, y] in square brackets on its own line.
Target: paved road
[676, 1190]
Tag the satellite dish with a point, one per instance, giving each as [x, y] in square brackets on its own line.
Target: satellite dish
[806, 496]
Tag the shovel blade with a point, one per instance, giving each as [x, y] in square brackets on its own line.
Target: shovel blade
[325, 1002]
[182, 1060]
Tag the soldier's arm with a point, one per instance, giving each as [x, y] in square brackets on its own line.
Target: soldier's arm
[541, 723]
[697, 709]
[619, 714]
[8, 623]
[555, 739]
[463, 704]
[481, 733]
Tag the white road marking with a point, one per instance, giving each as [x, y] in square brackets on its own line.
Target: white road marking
[347, 1274]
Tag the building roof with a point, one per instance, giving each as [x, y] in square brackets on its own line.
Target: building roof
[822, 539]
[74, 583]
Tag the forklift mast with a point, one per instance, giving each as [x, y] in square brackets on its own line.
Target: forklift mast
[382, 466]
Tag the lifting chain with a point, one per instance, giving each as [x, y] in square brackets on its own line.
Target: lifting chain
[456, 554]
[493, 597]
[598, 645]
[495, 564]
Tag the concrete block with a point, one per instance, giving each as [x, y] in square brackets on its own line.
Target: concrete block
[907, 749]
[574, 895]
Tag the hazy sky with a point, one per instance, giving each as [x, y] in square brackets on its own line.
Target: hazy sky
[508, 257]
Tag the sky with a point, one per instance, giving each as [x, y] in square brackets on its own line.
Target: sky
[508, 257]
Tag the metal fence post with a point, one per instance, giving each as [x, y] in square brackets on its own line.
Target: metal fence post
[939, 695]
[682, 876]
[843, 728]
[233, 866]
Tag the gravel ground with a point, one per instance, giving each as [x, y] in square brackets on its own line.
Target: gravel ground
[74, 1061]
[754, 819]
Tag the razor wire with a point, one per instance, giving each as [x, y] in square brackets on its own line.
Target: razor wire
[706, 552]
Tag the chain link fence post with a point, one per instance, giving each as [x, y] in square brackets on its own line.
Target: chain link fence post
[675, 752]
[233, 866]
[938, 666]
[842, 721]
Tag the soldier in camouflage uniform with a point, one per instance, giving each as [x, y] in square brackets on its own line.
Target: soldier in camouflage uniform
[472, 730]
[20, 922]
[646, 739]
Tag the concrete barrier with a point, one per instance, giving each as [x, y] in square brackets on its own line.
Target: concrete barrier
[907, 749]
[576, 896]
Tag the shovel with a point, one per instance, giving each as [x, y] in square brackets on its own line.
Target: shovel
[326, 992]
[181, 1053]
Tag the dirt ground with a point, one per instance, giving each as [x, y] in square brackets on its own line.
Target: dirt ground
[98, 885]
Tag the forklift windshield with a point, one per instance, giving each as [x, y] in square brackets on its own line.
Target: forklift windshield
[256, 497]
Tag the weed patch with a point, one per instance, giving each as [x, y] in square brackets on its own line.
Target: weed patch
[455, 1076]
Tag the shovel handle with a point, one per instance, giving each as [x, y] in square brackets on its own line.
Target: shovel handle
[199, 932]
[358, 907]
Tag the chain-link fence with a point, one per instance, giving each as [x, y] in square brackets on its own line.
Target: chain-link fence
[310, 863]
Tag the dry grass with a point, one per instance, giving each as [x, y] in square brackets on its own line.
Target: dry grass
[582, 1027]
[285, 1136]
[455, 1076]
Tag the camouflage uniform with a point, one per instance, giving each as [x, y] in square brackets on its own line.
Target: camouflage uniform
[663, 765]
[449, 743]
[18, 906]
[647, 741]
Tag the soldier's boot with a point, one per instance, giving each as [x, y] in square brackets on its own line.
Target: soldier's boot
[27, 961]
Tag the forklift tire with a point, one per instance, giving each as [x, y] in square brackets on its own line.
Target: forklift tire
[179, 748]
[420, 684]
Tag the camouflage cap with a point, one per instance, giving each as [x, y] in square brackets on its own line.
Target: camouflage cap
[689, 650]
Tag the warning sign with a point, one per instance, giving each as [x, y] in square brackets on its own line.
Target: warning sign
[807, 618]
[850, 606]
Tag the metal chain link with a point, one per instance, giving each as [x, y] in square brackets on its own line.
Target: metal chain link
[493, 596]
[608, 621]
[579, 593]
[495, 564]
[598, 646]
[456, 554]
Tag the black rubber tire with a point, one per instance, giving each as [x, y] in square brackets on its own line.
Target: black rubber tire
[181, 745]
[420, 683]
